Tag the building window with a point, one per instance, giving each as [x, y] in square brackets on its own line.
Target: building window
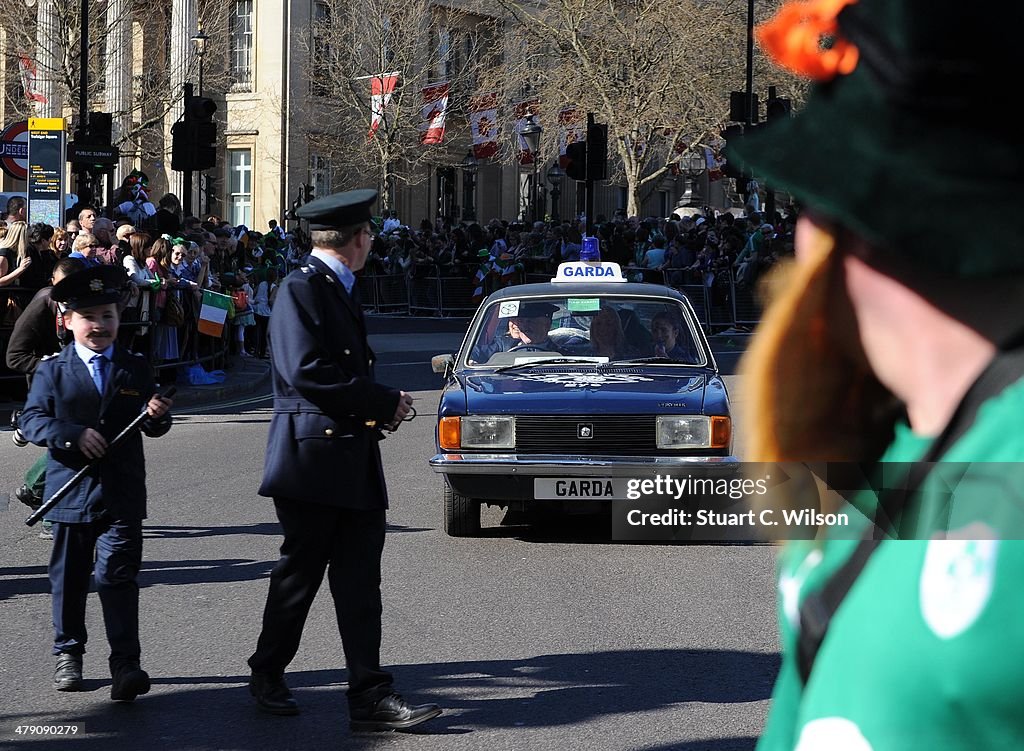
[319, 76]
[663, 203]
[321, 175]
[240, 187]
[240, 45]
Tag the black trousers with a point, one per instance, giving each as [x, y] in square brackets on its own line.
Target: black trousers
[118, 558]
[347, 543]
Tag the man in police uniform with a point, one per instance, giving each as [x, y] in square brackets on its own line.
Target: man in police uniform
[323, 469]
[79, 401]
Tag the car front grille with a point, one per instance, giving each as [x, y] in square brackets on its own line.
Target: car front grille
[612, 435]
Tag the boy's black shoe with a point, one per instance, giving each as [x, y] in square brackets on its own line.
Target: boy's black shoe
[390, 713]
[130, 681]
[26, 496]
[68, 675]
[272, 694]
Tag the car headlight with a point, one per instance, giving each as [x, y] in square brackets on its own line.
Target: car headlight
[693, 432]
[477, 432]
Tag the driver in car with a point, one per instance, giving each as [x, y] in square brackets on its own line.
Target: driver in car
[527, 332]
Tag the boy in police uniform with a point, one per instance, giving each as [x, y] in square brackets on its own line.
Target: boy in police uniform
[79, 401]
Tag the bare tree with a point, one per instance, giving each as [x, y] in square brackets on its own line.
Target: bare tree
[421, 55]
[658, 73]
[150, 99]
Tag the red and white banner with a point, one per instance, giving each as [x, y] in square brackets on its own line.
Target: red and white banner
[435, 107]
[381, 89]
[571, 128]
[521, 110]
[29, 73]
[483, 120]
[714, 162]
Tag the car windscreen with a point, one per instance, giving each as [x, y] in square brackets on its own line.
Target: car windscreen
[592, 328]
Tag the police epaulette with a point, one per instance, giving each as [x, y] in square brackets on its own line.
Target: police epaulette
[44, 358]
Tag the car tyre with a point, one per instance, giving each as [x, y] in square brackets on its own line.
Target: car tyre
[461, 514]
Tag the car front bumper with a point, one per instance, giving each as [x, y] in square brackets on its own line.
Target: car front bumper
[511, 477]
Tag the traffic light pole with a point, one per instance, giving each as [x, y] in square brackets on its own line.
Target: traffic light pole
[186, 176]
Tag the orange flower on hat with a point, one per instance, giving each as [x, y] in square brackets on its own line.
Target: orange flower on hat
[794, 39]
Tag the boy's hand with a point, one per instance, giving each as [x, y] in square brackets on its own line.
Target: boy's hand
[157, 406]
[92, 444]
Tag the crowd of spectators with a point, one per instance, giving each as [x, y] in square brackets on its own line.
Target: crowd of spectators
[169, 260]
[689, 250]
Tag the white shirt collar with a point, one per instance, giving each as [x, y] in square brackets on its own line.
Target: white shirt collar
[343, 272]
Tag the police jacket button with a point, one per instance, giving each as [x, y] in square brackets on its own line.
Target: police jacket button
[329, 431]
[347, 351]
[67, 444]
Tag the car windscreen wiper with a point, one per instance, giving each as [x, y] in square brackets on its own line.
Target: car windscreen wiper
[643, 360]
[595, 361]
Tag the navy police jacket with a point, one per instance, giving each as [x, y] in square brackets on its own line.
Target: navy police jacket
[328, 410]
[62, 403]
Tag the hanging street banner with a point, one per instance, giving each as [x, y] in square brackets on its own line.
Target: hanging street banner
[14, 149]
[46, 146]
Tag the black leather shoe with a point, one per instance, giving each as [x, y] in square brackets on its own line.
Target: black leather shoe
[68, 675]
[272, 694]
[129, 681]
[26, 496]
[391, 713]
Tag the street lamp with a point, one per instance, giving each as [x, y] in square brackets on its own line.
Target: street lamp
[695, 164]
[530, 133]
[469, 166]
[199, 47]
[555, 175]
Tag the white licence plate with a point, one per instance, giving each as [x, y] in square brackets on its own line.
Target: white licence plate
[580, 488]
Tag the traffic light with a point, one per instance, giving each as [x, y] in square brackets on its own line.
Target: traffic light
[307, 192]
[194, 137]
[729, 168]
[779, 108]
[576, 158]
[100, 128]
[597, 151]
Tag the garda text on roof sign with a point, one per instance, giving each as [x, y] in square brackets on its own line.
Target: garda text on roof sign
[589, 271]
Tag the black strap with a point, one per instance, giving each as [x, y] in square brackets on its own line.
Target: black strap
[818, 608]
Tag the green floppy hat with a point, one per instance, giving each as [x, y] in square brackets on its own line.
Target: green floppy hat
[905, 150]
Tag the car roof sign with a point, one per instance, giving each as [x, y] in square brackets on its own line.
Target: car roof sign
[588, 271]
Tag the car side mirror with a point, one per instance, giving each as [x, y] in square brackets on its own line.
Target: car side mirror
[443, 364]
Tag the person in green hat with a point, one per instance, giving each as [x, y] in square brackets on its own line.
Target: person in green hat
[896, 338]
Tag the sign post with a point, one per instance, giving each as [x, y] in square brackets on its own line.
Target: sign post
[46, 147]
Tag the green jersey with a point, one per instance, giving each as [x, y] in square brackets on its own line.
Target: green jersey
[927, 649]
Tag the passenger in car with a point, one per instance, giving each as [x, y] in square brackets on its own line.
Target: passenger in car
[607, 338]
[671, 338]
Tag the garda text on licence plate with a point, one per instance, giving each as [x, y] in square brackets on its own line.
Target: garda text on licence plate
[580, 488]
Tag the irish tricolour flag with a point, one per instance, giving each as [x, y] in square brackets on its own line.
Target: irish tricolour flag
[214, 313]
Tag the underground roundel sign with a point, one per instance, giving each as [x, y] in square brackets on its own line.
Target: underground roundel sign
[14, 149]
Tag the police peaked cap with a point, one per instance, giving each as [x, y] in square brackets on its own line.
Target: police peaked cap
[92, 286]
[338, 209]
[536, 310]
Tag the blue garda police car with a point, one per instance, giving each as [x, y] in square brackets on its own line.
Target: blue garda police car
[563, 392]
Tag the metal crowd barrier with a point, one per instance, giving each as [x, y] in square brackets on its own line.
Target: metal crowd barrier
[723, 305]
[193, 348]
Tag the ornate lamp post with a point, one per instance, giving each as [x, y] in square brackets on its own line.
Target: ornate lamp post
[694, 164]
[469, 165]
[555, 175]
[199, 47]
[531, 133]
